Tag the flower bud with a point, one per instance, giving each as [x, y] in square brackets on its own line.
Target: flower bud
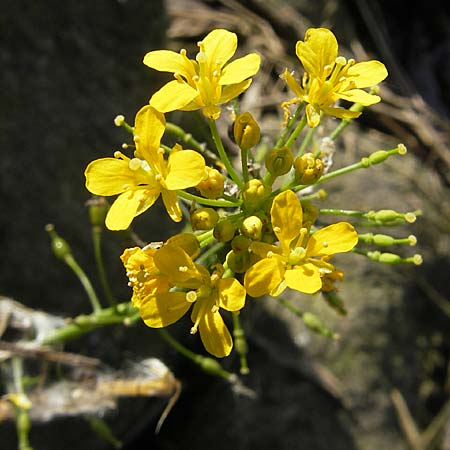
[246, 131]
[240, 243]
[98, 208]
[224, 230]
[204, 218]
[279, 161]
[308, 169]
[252, 228]
[238, 262]
[254, 193]
[212, 186]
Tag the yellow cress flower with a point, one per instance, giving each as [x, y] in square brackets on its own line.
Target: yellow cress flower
[330, 77]
[140, 180]
[208, 292]
[206, 82]
[302, 259]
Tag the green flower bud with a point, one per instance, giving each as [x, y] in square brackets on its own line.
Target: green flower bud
[308, 169]
[252, 227]
[238, 262]
[254, 193]
[204, 218]
[246, 131]
[240, 243]
[224, 230]
[60, 247]
[279, 161]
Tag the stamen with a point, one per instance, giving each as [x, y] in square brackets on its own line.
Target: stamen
[120, 155]
[135, 164]
[191, 296]
[183, 269]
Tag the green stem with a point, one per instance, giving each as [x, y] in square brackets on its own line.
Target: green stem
[211, 251]
[79, 272]
[123, 313]
[306, 141]
[222, 154]
[207, 201]
[97, 240]
[187, 138]
[240, 343]
[290, 124]
[345, 122]
[296, 132]
[244, 163]
[23, 422]
[342, 212]
[209, 365]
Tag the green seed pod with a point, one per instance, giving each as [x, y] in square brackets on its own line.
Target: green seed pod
[224, 230]
[204, 218]
[279, 161]
[246, 131]
[60, 247]
[308, 169]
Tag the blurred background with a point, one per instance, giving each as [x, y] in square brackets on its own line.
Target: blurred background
[68, 68]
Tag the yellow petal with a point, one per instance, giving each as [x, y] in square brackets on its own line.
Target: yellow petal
[172, 205]
[168, 61]
[149, 126]
[176, 264]
[173, 95]
[164, 309]
[234, 90]
[286, 214]
[187, 241]
[220, 45]
[215, 335]
[337, 238]
[127, 206]
[359, 96]
[240, 69]
[231, 294]
[262, 248]
[312, 116]
[264, 276]
[110, 176]
[293, 84]
[367, 73]
[319, 49]
[185, 169]
[341, 113]
[304, 278]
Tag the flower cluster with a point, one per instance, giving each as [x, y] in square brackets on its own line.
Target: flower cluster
[254, 231]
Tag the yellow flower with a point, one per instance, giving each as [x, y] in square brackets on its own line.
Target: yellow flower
[206, 82]
[330, 77]
[208, 292]
[140, 180]
[301, 259]
[144, 277]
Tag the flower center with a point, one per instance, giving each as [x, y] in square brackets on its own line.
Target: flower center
[296, 256]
